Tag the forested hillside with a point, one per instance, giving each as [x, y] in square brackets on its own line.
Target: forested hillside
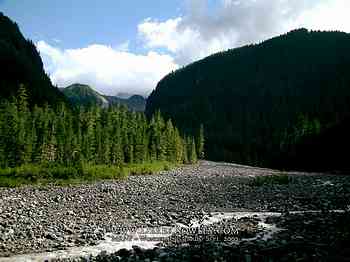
[21, 64]
[93, 136]
[258, 102]
[321, 151]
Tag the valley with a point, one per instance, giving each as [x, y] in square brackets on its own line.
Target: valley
[192, 140]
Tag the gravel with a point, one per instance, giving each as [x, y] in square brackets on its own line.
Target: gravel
[44, 219]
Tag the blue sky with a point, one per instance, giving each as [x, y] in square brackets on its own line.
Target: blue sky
[128, 46]
[81, 22]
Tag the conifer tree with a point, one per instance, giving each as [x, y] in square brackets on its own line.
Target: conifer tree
[170, 142]
[200, 142]
[179, 147]
[23, 119]
[111, 136]
[193, 154]
[8, 134]
[90, 139]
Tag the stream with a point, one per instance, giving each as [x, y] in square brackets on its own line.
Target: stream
[143, 237]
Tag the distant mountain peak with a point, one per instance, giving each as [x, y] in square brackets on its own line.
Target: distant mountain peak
[136, 97]
[77, 85]
[124, 95]
[82, 94]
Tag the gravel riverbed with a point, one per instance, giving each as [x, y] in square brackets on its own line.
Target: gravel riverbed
[50, 218]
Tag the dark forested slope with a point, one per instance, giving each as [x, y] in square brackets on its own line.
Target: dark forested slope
[324, 151]
[21, 64]
[258, 102]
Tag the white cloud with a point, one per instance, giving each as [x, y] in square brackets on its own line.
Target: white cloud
[204, 29]
[231, 23]
[185, 42]
[109, 70]
[328, 15]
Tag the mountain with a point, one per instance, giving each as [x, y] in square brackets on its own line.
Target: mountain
[84, 95]
[123, 95]
[79, 94]
[258, 102]
[135, 102]
[21, 63]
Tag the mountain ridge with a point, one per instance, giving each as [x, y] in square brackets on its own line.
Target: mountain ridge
[253, 100]
[22, 64]
[81, 94]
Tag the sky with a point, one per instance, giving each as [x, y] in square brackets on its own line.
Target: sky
[127, 46]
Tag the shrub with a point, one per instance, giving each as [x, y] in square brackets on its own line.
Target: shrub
[63, 175]
[278, 179]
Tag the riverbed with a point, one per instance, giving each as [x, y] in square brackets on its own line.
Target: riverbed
[54, 222]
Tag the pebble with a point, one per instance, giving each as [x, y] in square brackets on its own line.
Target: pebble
[57, 217]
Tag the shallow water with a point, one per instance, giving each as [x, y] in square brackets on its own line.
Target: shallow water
[112, 242]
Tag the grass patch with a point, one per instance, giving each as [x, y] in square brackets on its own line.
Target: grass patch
[60, 175]
[278, 179]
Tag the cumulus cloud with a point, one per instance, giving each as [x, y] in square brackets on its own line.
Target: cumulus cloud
[207, 29]
[109, 70]
[327, 15]
[185, 42]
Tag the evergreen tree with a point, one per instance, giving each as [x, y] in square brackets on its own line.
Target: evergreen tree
[90, 139]
[193, 154]
[8, 130]
[179, 147]
[10, 135]
[112, 136]
[200, 142]
[170, 142]
[23, 143]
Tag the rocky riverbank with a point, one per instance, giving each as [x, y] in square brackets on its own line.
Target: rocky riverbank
[307, 237]
[50, 218]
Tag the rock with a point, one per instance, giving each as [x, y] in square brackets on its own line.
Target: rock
[53, 216]
[137, 249]
[51, 236]
[162, 254]
[123, 252]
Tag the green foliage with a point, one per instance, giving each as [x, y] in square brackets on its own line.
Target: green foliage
[193, 154]
[9, 130]
[92, 143]
[303, 128]
[279, 179]
[258, 101]
[60, 175]
[200, 142]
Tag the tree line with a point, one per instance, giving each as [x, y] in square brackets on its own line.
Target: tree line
[96, 136]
